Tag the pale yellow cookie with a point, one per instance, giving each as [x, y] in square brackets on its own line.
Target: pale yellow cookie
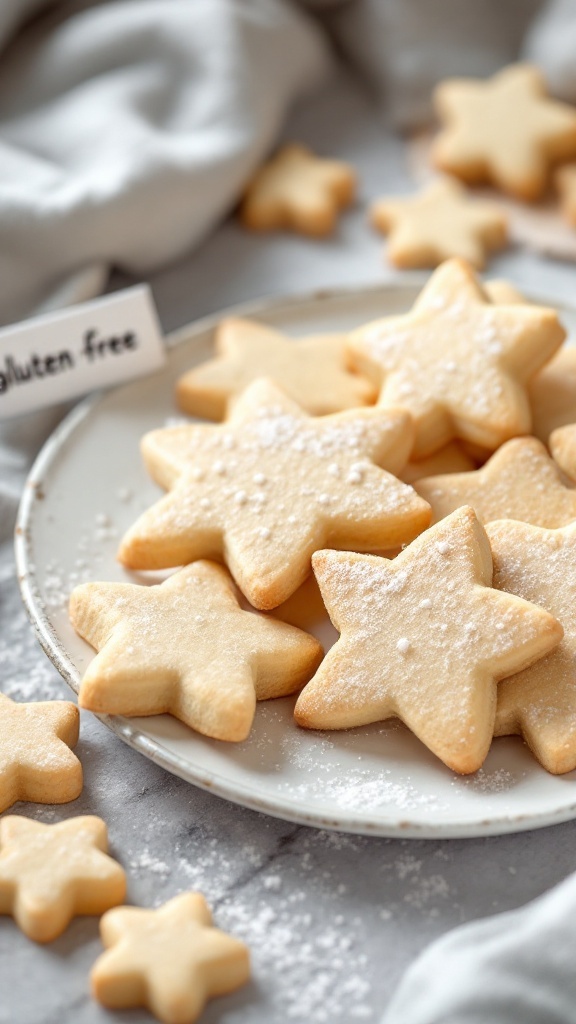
[186, 648]
[170, 960]
[552, 391]
[52, 873]
[298, 191]
[565, 181]
[563, 448]
[520, 481]
[270, 486]
[424, 638]
[457, 362]
[439, 222]
[504, 130]
[540, 702]
[450, 459]
[311, 370]
[36, 762]
[305, 608]
[504, 293]
[552, 394]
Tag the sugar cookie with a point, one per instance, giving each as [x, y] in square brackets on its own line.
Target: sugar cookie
[552, 394]
[311, 370]
[270, 486]
[51, 873]
[187, 648]
[540, 702]
[450, 459]
[520, 481]
[439, 222]
[503, 292]
[457, 362]
[505, 130]
[565, 181]
[170, 960]
[563, 448]
[36, 762]
[424, 637]
[299, 191]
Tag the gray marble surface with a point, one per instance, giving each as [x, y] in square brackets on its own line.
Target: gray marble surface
[331, 920]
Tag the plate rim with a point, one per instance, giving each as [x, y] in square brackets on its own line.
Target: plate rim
[290, 810]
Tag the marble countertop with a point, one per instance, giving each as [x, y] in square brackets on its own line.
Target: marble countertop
[332, 920]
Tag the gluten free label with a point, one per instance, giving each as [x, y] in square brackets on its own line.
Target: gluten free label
[52, 358]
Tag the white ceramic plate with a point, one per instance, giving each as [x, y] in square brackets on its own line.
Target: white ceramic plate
[87, 487]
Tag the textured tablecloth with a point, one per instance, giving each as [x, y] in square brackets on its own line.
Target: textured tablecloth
[332, 920]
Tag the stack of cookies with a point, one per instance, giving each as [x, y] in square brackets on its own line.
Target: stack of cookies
[395, 465]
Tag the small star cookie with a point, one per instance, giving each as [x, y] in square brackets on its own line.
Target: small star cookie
[540, 702]
[520, 481]
[424, 637]
[563, 448]
[457, 362]
[51, 873]
[565, 181]
[185, 647]
[36, 762]
[298, 191]
[439, 222]
[170, 960]
[311, 370]
[270, 486]
[552, 394]
[505, 130]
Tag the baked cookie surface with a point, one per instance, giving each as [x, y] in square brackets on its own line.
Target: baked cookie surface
[270, 486]
[540, 702]
[424, 637]
[458, 362]
[51, 873]
[505, 130]
[311, 370]
[520, 481]
[170, 960]
[36, 762]
[298, 191]
[437, 223]
[187, 648]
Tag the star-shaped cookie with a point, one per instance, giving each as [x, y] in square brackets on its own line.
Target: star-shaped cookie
[36, 762]
[51, 873]
[565, 181]
[540, 702]
[552, 394]
[270, 486]
[170, 960]
[311, 370]
[563, 448]
[505, 130]
[298, 191]
[424, 637]
[457, 361]
[439, 222]
[185, 647]
[450, 459]
[520, 481]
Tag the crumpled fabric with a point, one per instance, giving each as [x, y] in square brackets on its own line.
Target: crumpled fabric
[514, 968]
[128, 130]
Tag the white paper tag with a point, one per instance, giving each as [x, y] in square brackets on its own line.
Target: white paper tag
[62, 355]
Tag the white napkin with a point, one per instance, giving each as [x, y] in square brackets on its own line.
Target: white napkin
[127, 130]
[514, 968]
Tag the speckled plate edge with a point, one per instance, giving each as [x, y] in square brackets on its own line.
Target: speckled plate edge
[291, 810]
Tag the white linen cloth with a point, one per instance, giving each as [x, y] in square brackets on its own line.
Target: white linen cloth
[515, 968]
[128, 129]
